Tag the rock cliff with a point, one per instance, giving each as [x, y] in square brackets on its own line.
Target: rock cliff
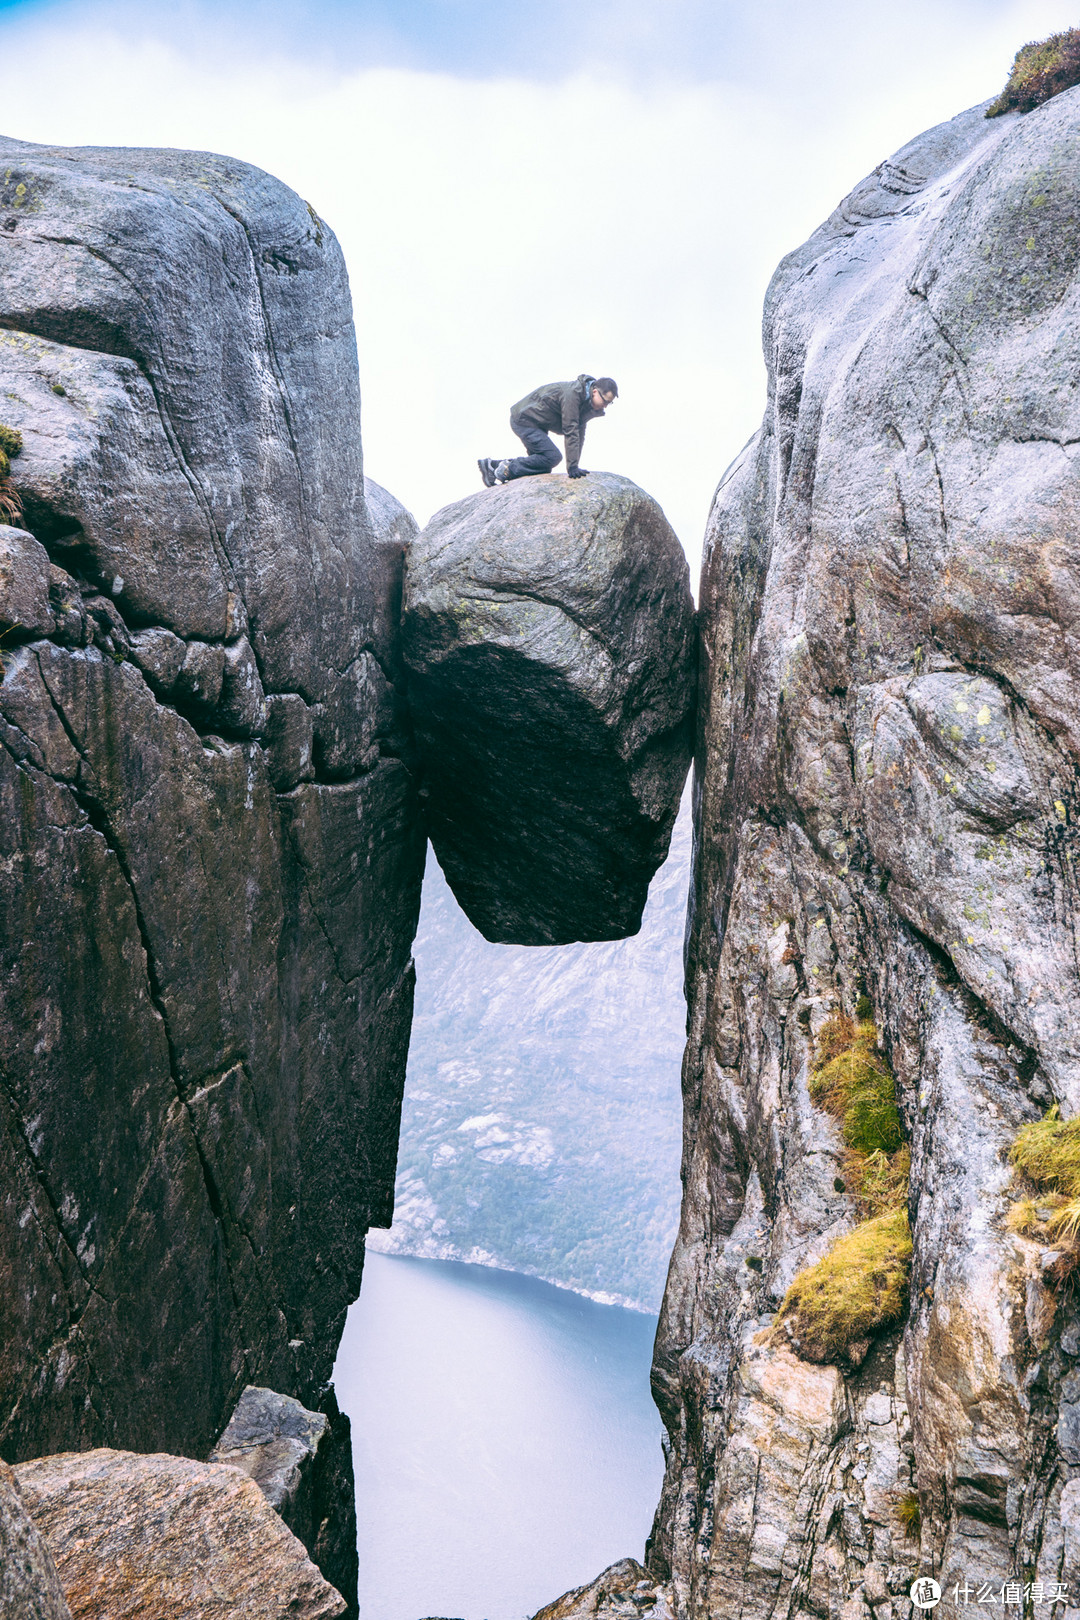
[549, 632]
[887, 810]
[211, 843]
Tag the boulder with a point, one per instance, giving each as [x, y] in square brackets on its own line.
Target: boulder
[29, 1585]
[211, 846]
[24, 585]
[549, 636]
[624, 1591]
[157, 1537]
[302, 1463]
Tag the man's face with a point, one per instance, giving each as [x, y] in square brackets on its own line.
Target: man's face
[601, 401]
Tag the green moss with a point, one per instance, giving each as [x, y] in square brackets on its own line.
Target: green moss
[1041, 69]
[11, 440]
[858, 1288]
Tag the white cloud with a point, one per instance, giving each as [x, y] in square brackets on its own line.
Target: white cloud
[501, 233]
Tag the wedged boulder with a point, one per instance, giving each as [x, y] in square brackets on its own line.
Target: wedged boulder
[549, 635]
[156, 1537]
[29, 1585]
[211, 846]
[302, 1463]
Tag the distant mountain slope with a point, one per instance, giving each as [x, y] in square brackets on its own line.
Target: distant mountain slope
[541, 1129]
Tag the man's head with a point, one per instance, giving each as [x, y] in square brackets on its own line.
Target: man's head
[604, 390]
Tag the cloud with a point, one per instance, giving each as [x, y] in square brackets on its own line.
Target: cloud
[504, 231]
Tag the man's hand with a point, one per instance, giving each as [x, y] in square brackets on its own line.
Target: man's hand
[576, 472]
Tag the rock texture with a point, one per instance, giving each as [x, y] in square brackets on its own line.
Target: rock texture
[210, 843]
[155, 1537]
[302, 1463]
[622, 1592]
[29, 1585]
[887, 806]
[549, 637]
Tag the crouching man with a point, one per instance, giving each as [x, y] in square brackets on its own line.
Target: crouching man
[560, 407]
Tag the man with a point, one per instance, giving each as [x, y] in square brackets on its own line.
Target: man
[561, 407]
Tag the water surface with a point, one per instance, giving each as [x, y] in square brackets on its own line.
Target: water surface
[505, 1442]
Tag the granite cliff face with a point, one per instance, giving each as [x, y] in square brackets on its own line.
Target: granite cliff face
[886, 814]
[212, 844]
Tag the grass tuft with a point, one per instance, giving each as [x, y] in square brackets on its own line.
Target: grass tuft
[1047, 1154]
[1041, 69]
[880, 1180]
[852, 1081]
[858, 1288]
[11, 507]
[909, 1513]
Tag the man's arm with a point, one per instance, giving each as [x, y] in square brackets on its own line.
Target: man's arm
[572, 426]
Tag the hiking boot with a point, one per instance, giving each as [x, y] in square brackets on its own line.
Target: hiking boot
[487, 471]
[502, 472]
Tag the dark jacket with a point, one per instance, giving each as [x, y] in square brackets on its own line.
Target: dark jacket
[560, 407]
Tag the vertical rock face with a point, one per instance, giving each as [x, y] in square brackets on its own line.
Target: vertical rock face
[887, 807]
[212, 852]
[549, 629]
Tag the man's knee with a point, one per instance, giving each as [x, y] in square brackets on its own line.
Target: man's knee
[544, 449]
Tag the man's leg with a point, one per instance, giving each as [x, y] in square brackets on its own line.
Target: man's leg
[542, 453]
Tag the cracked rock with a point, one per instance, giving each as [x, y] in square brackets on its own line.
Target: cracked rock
[624, 1591]
[302, 1463]
[205, 984]
[549, 636]
[155, 1537]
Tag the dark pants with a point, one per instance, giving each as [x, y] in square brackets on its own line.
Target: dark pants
[543, 453]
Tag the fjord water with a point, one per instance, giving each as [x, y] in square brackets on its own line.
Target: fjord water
[505, 1442]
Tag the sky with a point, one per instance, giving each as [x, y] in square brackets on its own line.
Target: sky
[525, 192]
